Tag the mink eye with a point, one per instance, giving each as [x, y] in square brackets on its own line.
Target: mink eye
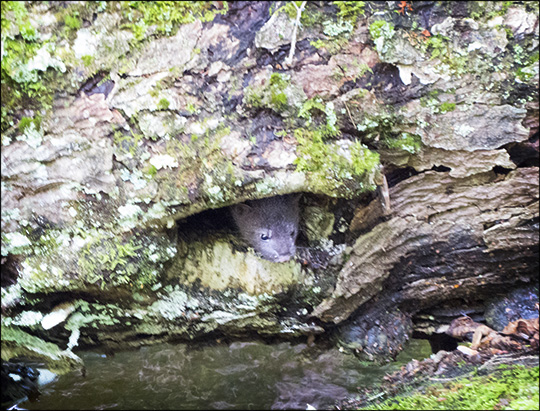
[293, 233]
[265, 237]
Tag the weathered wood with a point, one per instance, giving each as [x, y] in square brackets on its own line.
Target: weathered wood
[448, 238]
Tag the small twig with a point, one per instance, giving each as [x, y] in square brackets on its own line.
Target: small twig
[288, 60]
[385, 195]
[349, 113]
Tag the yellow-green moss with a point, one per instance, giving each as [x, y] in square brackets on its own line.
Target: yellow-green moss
[350, 10]
[404, 141]
[329, 165]
[275, 95]
[513, 388]
[127, 143]
[17, 343]
[381, 32]
[23, 87]
[133, 263]
[167, 16]
[163, 104]
[315, 107]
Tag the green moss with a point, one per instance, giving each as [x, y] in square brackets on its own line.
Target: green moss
[127, 143]
[405, 141]
[167, 16]
[327, 161]
[278, 99]
[350, 10]
[88, 60]
[253, 97]
[109, 262]
[486, 10]
[439, 46]
[288, 9]
[313, 108]
[72, 21]
[313, 104]
[446, 107]
[23, 85]
[94, 315]
[513, 388]
[333, 45]
[221, 131]
[190, 107]
[27, 122]
[163, 104]
[381, 28]
[150, 171]
[272, 96]
[318, 43]
[17, 343]
[379, 126]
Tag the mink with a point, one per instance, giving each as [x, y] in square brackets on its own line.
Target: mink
[269, 225]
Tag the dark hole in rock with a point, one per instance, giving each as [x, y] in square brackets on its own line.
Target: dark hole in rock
[501, 170]
[525, 154]
[441, 169]
[220, 222]
[9, 270]
[205, 222]
[437, 341]
[97, 84]
[396, 175]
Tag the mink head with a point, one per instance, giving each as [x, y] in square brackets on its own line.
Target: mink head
[269, 225]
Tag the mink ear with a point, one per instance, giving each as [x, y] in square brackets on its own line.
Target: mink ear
[240, 210]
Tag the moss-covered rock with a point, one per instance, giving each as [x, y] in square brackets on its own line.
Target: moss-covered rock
[17, 343]
[119, 119]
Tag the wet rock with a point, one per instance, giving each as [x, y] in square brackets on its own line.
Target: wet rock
[18, 382]
[519, 303]
[521, 22]
[17, 343]
[276, 32]
[176, 51]
[376, 335]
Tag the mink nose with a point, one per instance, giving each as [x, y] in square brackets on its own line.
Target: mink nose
[282, 258]
[285, 255]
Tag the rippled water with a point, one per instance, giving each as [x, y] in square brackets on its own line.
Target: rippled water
[248, 375]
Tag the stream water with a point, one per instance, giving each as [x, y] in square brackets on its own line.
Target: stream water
[242, 375]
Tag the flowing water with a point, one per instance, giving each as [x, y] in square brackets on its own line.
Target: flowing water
[242, 375]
